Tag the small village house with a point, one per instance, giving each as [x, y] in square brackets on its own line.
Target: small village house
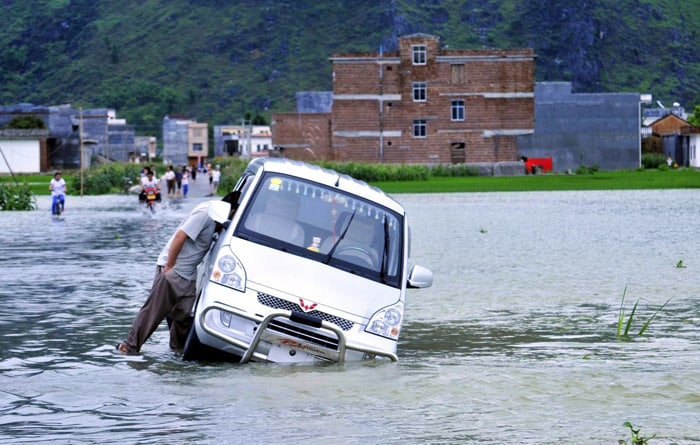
[185, 141]
[242, 140]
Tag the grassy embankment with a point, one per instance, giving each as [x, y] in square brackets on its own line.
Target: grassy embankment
[38, 184]
[613, 180]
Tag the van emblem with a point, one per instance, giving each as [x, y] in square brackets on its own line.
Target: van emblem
[307, 307]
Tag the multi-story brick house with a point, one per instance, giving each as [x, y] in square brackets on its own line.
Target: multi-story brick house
[421, 104]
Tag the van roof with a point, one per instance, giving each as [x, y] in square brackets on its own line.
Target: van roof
[327, 177]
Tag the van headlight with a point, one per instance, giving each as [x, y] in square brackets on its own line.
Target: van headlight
[228, 271]
[387, 322]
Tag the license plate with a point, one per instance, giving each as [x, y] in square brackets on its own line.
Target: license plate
[282, 346]
[283, 354]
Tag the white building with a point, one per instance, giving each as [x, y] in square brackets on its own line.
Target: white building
[242, 140]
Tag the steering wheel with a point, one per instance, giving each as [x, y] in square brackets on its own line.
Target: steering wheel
[356, 253]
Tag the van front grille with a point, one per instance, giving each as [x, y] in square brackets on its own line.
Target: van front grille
[278, 303]
[304, 335]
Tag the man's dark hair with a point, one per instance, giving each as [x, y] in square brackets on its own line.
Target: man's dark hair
[232, 198]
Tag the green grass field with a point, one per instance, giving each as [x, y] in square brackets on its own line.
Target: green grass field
[612, 180]
[38, 184]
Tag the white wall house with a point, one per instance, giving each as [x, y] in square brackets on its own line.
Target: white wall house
[693, 142]
[23, 151]
[22, 155]
[242, 140]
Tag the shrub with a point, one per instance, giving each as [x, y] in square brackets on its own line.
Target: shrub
[231, 170]
[379, 172]
[653, 160]
[106, 178]
[27, 122]
[454, 170]
[16, 197]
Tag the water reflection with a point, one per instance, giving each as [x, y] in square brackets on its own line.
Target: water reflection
[515, 342]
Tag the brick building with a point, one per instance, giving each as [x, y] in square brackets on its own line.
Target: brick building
[421, 104]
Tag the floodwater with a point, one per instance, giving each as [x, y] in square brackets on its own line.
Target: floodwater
[514, 343]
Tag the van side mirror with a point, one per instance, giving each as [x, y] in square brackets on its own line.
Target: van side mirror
[420, 277]
[219, 211]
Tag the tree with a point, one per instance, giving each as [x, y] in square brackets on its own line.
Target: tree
[28, 122]
[694, 118]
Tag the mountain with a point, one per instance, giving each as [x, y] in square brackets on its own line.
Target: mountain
[217, 60]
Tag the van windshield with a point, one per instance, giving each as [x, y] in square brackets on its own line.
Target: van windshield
[325, 225]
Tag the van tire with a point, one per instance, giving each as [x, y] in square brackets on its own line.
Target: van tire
[195, 350]
[193, 347]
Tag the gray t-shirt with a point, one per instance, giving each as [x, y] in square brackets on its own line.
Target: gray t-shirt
[199, 229]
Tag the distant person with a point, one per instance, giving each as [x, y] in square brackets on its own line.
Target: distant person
[215, 178]
[178, 181]
[149, 182]
[174, 285]
[185, 181]
[58, 192]
[170, 180]
[146, 172]
[208, 172]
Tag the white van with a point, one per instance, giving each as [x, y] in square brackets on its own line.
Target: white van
[313, 266]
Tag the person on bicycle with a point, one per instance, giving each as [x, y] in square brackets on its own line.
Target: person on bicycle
[58, 193]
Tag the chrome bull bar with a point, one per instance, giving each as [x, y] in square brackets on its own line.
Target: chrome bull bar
[294, 316]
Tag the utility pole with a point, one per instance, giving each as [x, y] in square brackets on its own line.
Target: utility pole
[250, 141]
[80, 138]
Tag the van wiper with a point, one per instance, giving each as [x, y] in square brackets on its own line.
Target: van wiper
[385, 252]
[340, 238]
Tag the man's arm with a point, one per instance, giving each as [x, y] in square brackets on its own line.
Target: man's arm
[175, 248]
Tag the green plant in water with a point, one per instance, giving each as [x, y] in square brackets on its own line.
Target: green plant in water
[482, 230]
[636, 438]
[16, 197]
[680, 264]
[623, 329]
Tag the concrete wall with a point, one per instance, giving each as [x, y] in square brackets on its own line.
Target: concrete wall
[23, 156]
[175, 133]
[583, 128]
[314, 101]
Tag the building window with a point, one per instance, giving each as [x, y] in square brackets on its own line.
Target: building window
[419, 55]
[420, 92]
[197, 147]
[420, 128]
[457, 74]
[457, 110]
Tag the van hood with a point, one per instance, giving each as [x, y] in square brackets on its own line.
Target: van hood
[291, 277]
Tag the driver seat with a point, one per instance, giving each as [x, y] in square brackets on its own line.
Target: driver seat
[358, 246]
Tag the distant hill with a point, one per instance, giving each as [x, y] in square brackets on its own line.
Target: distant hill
[216, 60]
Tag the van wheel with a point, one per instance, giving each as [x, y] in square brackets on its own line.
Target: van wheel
[193, 347]
[195, 350]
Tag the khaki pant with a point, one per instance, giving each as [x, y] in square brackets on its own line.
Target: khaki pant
[171, 297]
